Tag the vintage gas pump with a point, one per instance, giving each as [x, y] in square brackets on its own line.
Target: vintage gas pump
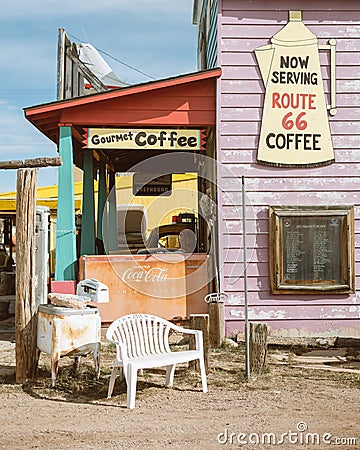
[295, 129]
[41, 254]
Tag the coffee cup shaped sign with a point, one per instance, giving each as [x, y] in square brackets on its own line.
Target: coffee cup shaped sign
[295, 128]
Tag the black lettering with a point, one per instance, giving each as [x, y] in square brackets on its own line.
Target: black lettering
[314, 78]
[152, 139]
[291, 141]
[316, 138]
[284, 62]
[304, 62]
[307, 145]
[283, 77]
[268, 137]
[275, 78]
[138, 138]
[162, 137]
[306, 78]
[192, 141]
[294, 62]
[172, 138]
[278, 143]
[290, 77]
[182, 141]
[95, 139]
[296, 77]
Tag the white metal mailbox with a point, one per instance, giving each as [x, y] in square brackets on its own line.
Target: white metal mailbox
[69, 332]
[96, 291]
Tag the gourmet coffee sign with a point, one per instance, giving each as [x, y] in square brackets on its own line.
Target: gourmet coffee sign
[144, 139]
[295, 128]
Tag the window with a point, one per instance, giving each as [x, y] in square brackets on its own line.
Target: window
[311, 249]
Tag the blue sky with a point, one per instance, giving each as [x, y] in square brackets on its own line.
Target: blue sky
[156, 37]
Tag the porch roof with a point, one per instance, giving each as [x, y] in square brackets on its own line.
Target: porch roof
[184, 101]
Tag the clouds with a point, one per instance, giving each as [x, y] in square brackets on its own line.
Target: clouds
[20, 140]
[19, 137]
[156, 37]
[53, 8]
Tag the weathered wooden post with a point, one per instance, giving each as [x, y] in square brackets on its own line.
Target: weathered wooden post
[26, 351]
[258, 346]
[200, 322]
[216, 319]
[27, 354]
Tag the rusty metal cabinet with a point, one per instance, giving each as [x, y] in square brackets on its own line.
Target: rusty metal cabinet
[68, 332]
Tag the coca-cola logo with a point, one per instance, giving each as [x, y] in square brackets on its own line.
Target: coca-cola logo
[141, 274]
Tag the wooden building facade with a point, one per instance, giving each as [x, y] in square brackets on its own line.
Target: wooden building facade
[229, 33]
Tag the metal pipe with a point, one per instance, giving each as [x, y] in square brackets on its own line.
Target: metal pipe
[247, 340]
[332, 43]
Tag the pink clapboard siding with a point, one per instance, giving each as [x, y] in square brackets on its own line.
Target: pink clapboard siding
[242, 27]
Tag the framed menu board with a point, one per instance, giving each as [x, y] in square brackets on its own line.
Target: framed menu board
[311, 249]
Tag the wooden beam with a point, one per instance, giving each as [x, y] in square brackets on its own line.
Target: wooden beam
[258, 346]
[104, 157]
[216, 324]
[111, 237]
[200, 322]
[102, 195]
[26, 351]
[31, 163]
[97, 84]
[77, 135]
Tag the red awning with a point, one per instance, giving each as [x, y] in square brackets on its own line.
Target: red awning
[187, 100]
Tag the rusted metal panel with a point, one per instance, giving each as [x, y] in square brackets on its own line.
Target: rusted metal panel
[168, 285]
[68, 332]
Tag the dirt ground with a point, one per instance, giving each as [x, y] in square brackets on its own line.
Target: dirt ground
[294, 403]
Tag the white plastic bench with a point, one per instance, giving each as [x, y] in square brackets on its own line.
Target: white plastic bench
[142, 342]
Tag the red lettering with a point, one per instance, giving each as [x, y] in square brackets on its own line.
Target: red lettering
[311, 101]
[293, 101]
[275, 100]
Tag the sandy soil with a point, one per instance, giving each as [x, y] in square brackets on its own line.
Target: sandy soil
[300, 403]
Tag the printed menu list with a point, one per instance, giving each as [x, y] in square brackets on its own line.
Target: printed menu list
[312, 249]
